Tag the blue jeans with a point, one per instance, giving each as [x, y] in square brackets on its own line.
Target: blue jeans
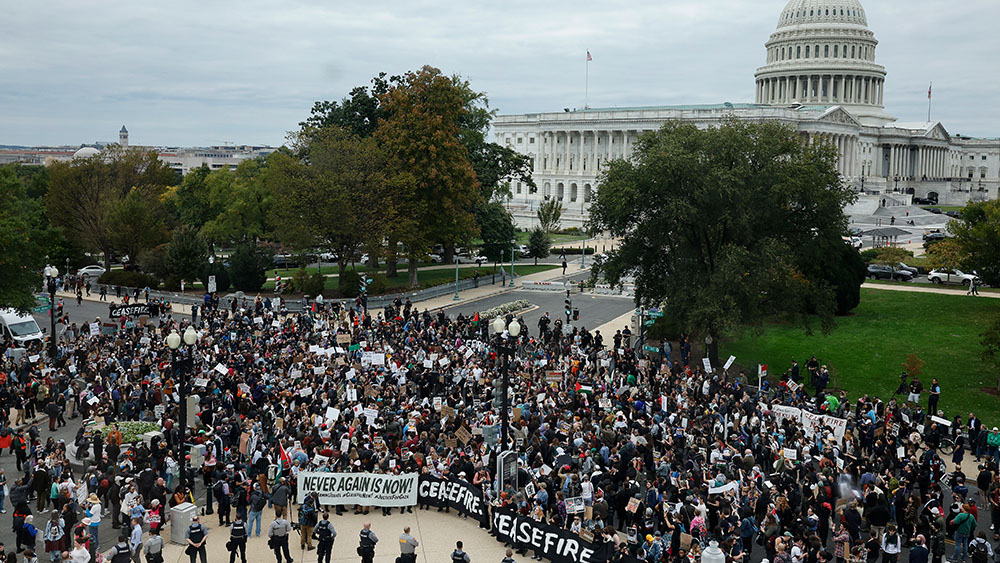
[961, 547]
[254, 515]
[2, 498]
[95, 538]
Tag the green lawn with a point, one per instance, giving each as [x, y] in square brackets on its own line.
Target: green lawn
[929, 284]
[430, 278]
[865, 350]
[944, 208]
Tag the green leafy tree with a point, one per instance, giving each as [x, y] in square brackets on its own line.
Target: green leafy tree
[892, 256]
[137, 223]
[248, 266]
[338, 195]
[186, 254]
[538, 244]
[221, 273]
[421, 137]
[978, 235]
[948, 254]
[83, 193]
[497, 231]
[720, 227]
[22, 237]
[844, 270]
[549, 214]
[245, 213]
[359, 113]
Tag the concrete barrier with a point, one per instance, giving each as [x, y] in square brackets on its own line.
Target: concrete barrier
[544, 285]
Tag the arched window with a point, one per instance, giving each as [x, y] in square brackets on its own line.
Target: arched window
[798, 52]
[852, 51]
[836, 51]
[826, 51]
[807, 51]
[845, 51]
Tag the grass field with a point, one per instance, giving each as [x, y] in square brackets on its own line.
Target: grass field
[944, 208]
[866, 350]
[929, 284]
[430, 278]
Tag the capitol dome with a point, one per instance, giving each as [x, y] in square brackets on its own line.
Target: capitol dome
[799, 12]
[823, 54]
[86, 152]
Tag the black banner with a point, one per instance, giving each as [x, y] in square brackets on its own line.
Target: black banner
[556, 544]
[135, 310]
[454, 493]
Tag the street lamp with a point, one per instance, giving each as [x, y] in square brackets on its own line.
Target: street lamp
[506, 336]
[456, 298]
[181, 367]
[51, 275]
[512, 264]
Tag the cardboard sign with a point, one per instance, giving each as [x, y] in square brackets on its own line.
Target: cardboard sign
[729, 362]
[633, 505]
[343, 339]
[463, 434]
[450, 443]
[447, 411]
[553, 376]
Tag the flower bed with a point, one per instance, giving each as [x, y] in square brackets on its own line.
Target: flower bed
[499, 310]
[132, 431]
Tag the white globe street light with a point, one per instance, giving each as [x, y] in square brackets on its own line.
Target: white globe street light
[173, 340]
[190, 336]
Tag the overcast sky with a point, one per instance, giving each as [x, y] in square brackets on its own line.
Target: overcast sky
[203, 73]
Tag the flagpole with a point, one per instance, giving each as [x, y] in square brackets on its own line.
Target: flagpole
[586, 85]
[929, 90]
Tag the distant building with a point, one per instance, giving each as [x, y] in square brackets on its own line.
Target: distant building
[181, 159]
[820, 78]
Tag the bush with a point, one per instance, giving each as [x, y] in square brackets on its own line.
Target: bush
[500, 310]
[248, 267]
[349, 284]
[128, 279]
[221, 274]
[308, 283]
[570, 231]
[569, 251]
[151, 261]
[378, 285]
[869, 255]
[132, 431]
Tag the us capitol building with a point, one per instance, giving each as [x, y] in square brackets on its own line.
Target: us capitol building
[820, 77]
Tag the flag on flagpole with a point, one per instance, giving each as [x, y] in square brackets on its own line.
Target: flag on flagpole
[589, 58]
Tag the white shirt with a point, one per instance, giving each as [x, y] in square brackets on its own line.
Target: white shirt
[95, 514]
[80, 555]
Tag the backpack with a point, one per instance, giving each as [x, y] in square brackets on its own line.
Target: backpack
[258, 502]
[977, 552]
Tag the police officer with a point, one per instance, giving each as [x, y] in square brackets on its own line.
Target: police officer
[278, 537]
[238, 539]
[407, 547]
[196, 536]
[368, 539]
[120, 553]
[459, 556]
[324, 534]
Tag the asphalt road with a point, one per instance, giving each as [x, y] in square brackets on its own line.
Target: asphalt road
[595, 310]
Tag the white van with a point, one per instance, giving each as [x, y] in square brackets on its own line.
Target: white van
[18, 329]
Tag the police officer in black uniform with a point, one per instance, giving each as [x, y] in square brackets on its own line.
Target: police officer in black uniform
[459, 556]
[366, 549]
[195, 536]
[238, 539]
[324, 534]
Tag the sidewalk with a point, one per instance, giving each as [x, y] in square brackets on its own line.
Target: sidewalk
[922, 289]
[68, 298]
[436, 532]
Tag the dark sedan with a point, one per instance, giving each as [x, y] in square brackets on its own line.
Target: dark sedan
[883, 272]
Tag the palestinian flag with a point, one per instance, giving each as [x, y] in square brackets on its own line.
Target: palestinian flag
[584, 388]
[284, 463]
[475, 320]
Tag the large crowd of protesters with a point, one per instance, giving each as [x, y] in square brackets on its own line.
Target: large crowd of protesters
[665, 456]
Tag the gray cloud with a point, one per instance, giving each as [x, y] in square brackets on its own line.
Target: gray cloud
[195, 73]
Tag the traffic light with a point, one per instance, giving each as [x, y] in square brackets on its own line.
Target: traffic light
[498, 393]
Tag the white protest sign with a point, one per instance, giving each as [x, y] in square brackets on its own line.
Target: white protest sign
[223, 370]
[730, 486]
[729, 362]
[707, 364]
[791, 453]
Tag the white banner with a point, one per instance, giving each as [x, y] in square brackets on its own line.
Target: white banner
[811, 423]
[366, 489]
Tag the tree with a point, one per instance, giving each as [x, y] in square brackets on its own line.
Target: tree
[497, 231]
[84, 192]
[549, 214]
[990, 341]
[978, 235]
[946, 255]
[221, 273]
[420, 137]
[723, 227]
[248, 266]
[538, 244]
[338, 195]
[136, 223]
[186, 254]
[22, 237]
[892, 256]
[360, 113]
[245, 213]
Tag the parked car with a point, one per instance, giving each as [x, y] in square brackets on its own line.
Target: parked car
[91, 272]
[953, 214]
[474, 259]
[927, 234]
[285, 261]
[855, 242]
[436, 258]
[934, 210]
[931, 238]
[18, 329]
[904, 267]
[884, 272]
[951, 276]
